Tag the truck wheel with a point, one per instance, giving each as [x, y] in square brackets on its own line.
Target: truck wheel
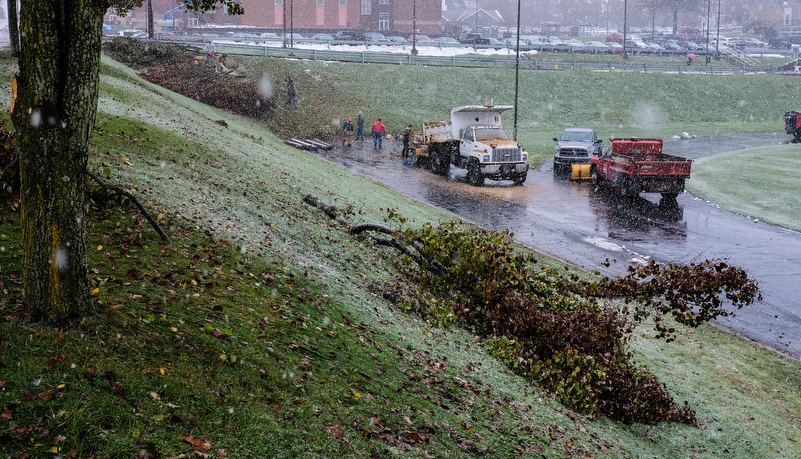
[474, 176]
[595, 178]
[668, 197]
[520, 178]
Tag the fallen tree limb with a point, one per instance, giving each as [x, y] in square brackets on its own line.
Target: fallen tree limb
[331, 211]
[416, 253]
[142, 209]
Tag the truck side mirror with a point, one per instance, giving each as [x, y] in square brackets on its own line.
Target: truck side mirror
[555, 139]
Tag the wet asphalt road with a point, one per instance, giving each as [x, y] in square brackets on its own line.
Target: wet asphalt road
[571, 221]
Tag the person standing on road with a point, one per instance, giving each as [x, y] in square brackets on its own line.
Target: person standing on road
[347, 129]
[290, 92]
[210, 49]
[407, 140]
[360, 126]
[378, 133]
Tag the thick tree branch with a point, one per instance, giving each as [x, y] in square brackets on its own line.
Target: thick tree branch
[142, 209]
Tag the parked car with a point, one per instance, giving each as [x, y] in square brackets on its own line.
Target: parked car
[691, 46]
[596, 47]
[375, 38]
[778, 43]
[345, 35]
[495, 43]
[240, 37]
[616, 47]
[424, 38]
[575, 146]
[268, 36]
[656, 47]
[512, 43]
[294, 37]
[133, 33]
[753, 43]
[446, 41]
[397, 40]
[673, 46]
[322, 37]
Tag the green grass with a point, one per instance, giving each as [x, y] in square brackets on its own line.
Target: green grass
[254, 280]
[619, 104]
[762, 183]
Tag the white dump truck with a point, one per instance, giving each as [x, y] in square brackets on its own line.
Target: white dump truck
[474, 140]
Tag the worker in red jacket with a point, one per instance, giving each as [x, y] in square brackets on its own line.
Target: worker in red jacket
[378, 133]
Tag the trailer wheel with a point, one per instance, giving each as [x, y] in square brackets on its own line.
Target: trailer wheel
[474, 176]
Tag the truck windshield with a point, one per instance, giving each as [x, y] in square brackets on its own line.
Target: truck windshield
[572, 136]
[497, 133]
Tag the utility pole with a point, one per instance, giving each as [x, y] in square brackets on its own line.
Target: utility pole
[625, 11]
[283, 22]
[708, 14]
[414, 27]
[517, 70]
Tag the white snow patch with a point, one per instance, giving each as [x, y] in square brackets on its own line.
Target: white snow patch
[604, 244]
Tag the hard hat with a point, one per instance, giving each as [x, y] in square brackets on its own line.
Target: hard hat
[350, 119]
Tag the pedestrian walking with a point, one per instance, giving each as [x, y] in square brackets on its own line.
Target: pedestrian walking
[378, 133]
[347, 130]
[360, 126]
[290, 92]
[210, 49]
[407, 142]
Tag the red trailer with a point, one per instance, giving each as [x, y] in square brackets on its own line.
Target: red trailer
[792, 124]
[635, 166]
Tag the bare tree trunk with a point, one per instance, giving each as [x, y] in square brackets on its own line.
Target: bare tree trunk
[54, 115]
[13, 27]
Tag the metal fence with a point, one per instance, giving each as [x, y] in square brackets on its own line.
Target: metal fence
[527, 61]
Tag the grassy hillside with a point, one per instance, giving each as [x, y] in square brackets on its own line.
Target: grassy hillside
[261, 329]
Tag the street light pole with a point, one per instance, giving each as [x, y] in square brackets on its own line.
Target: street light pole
[717, 41]
[708, 14]
[517, 70]
[625, 11]
[414, 27]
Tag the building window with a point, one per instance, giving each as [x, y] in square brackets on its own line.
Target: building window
[279, 2]
[320, 2]
[191, 22]
[383, 21]
[383, 2]
[343, 2]
[367, 6]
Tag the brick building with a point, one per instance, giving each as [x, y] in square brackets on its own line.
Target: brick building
[390, 16]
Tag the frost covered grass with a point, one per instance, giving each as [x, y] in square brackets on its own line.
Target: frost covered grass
[256, 280]
[761, 183]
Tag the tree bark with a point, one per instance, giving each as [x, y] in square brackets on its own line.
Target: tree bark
[54, 115]
[13, 27]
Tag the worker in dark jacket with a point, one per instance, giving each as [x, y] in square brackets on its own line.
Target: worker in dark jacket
[347, 130]
[407, 141]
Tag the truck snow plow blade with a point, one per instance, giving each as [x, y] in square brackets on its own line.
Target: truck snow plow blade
[580, 172]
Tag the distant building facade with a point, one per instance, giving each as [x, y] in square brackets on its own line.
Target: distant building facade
[385, 16]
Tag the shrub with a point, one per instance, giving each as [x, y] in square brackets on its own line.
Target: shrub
[555, 328]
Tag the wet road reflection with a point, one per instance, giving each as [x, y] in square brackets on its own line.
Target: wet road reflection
[570, 220]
